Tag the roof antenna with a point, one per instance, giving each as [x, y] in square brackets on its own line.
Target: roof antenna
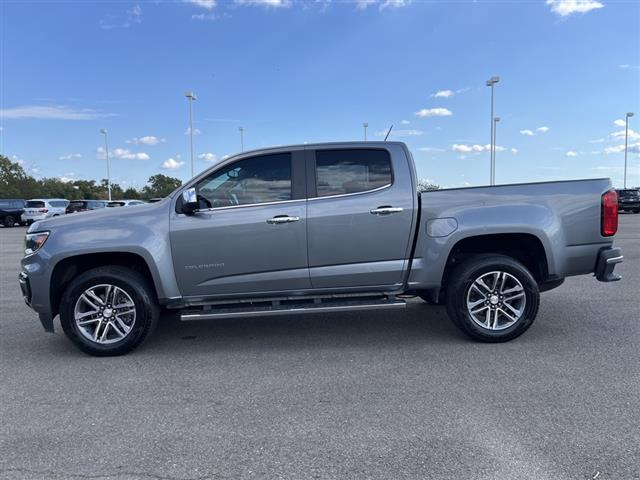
[388, 132]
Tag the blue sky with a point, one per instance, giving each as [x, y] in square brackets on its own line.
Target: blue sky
[294, 72]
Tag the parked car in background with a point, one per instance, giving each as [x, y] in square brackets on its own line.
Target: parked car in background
[76, 206]
[11, 210]
[41, 208]
[629, 200]
[125, 203]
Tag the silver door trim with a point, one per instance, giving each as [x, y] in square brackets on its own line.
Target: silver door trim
[249, 205]
[352, 194]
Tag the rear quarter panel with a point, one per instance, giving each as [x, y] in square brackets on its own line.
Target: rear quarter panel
[564, 216]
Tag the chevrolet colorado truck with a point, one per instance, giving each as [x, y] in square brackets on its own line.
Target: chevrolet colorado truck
[317, 228]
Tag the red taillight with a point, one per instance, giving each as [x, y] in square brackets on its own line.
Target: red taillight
[43, 210]
[609, 217]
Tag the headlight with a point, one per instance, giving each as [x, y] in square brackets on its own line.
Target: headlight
[34, 241]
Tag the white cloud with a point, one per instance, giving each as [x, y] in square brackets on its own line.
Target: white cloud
[394, 4]
[569, 7]
[265, 3]
[131, 17]
[400, 133]
[597, 140]
[571, 153]
[514, 150]
[171, 164]
[627, 66]
[59, 112]
[632, 148]
[405, 122]
[443, 94]
[196, 131]
[147, 140]
[208, 157]
[434, 112]
[124, 154]
[619, 123]
[364, 4]
[66, 177]
[463, 148]
[204, 16]
[208, 4]
[530, 133]
[431, 149]
[633, 135]
[71, 156]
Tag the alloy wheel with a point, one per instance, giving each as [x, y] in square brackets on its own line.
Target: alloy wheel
[104, 314]
[496, 300]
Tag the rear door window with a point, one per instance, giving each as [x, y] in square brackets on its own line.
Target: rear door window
[58, 203]
[35, 204]
[340, 172]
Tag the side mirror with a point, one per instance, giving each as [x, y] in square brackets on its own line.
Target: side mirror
[189, 201]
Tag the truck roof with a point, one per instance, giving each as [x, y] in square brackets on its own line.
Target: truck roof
[300, 146]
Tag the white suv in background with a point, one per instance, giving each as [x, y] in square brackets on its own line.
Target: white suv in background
[41, 208]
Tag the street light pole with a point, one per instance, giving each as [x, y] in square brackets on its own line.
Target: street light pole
[106, 151]
[241, 139]
[365, 125]
[191, 96]
[490, 83]
[493, 144]
[626, 143]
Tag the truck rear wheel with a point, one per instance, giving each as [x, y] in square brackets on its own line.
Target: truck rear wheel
[492, 298]
[108, 310]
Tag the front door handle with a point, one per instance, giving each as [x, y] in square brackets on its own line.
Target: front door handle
[386, 210]
[282, 219]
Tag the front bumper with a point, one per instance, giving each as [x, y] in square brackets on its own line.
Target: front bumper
[608, 258]
[34, 281]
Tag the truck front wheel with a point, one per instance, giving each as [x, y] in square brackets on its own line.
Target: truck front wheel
[492, 298]
[108, 310]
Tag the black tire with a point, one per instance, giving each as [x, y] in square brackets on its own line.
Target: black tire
[136, 286]
[9, 221]
[461, 281]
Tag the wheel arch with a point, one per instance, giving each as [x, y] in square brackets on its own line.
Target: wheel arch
[527, 248]
[70, 267]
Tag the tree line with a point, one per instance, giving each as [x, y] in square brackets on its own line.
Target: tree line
[15, 182]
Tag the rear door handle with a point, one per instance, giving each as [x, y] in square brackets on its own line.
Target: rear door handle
[282, 219]
[386, 210]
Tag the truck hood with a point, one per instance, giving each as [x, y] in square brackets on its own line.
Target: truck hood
[104, 216]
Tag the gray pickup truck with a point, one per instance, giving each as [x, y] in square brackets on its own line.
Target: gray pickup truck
[317, 228]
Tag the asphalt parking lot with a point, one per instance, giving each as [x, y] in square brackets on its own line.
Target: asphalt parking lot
[357, 395]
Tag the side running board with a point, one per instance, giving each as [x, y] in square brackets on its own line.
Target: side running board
[292, 307]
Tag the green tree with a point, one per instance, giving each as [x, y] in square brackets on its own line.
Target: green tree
[160, 186]
[426, 185]
[14, 181]
[131, 194]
